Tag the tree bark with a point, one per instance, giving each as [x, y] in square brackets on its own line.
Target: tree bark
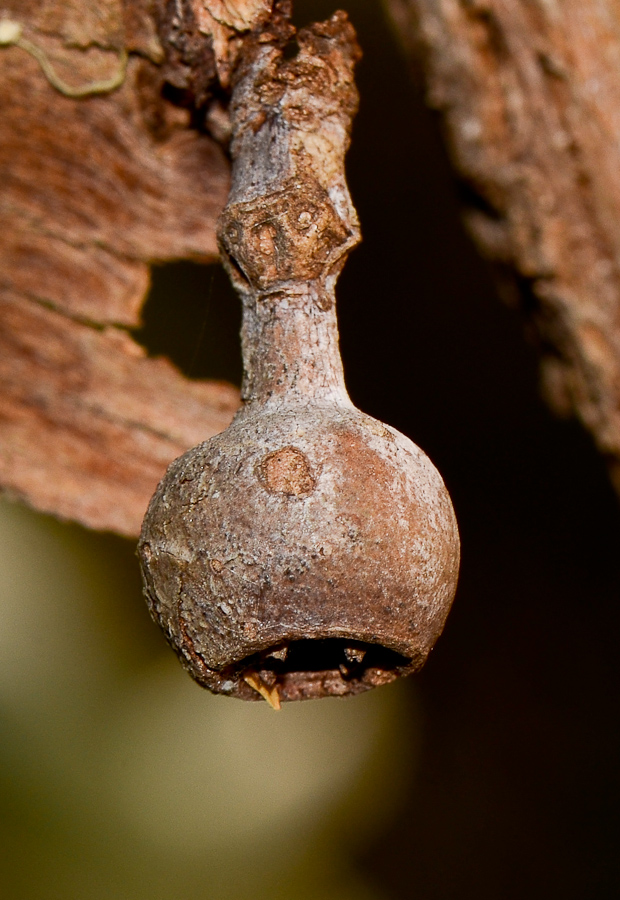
[530, 98]
[94, 190]
[98, 187]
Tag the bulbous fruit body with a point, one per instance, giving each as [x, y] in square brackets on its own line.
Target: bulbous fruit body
[308, 550]
[318, 549]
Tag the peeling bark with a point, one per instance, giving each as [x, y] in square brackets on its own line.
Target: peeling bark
[94, 190]
[530, 98]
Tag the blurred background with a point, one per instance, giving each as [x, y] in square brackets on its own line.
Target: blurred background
[494, 773]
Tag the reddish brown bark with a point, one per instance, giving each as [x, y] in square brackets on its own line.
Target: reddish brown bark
[95, 189]
[530, 97]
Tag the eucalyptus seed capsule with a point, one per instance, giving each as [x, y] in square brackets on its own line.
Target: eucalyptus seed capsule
[308, 550]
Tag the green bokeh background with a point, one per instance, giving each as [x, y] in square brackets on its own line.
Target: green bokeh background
[119, 777]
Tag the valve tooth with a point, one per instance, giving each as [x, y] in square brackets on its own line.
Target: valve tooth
[271, 695]
[280, 654]
[354, 654]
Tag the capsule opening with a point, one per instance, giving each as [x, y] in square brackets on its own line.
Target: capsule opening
[326, 654]
[311, 668]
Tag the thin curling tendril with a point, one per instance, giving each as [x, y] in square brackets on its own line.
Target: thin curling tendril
[11, 35]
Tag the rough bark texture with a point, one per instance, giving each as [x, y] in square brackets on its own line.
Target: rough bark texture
[93, 190]
[530, 96]
[308, 550]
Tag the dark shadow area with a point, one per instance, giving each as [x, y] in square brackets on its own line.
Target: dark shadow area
[519, 788]
[325, 655]
[192, 315]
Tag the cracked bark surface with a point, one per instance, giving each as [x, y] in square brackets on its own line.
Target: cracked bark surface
[94, 190]
[530, 98]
